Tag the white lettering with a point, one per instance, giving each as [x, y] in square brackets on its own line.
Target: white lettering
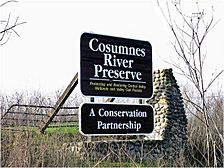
[98, 68]
[115, 49]
[116, 62]
[99, 124]
[121, 126]
[92, 112]
[91, 44]
[114, 113]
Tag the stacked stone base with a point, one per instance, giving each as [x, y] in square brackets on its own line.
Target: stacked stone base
[167, 140]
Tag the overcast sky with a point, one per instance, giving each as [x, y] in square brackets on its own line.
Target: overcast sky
[46, 55]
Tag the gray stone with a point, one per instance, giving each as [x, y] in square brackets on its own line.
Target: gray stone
[169, 136]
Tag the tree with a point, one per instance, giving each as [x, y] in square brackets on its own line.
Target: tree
[189, 32]
[8, 26]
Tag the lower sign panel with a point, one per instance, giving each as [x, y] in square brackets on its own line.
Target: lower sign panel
[115, 119]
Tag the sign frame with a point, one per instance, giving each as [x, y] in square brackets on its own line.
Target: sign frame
[138, 67]
[150, 120]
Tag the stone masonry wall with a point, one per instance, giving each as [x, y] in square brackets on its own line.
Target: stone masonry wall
[168, 138]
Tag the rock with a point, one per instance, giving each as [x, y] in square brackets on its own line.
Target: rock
[168, 138]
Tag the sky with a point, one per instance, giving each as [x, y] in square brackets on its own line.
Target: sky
[46, 56]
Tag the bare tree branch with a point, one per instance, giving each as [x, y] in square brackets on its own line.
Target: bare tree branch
[8, 28]
[213, 80]
[189, 36]
[7, 2]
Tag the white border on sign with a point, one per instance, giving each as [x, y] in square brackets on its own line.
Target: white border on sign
[79, 80]
[115, 134]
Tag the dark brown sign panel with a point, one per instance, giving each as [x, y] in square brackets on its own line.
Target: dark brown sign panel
[115, 67]
[115, 119]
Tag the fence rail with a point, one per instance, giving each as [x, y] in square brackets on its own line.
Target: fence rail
[33, 115]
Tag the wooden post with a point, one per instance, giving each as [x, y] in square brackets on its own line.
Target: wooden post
[90, 138]
[91, 99]
[60, 102]
[140, 102]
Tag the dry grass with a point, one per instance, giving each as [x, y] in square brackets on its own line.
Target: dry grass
[31, 149]
[197, 149]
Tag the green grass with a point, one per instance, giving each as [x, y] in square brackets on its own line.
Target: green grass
[63, 129]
